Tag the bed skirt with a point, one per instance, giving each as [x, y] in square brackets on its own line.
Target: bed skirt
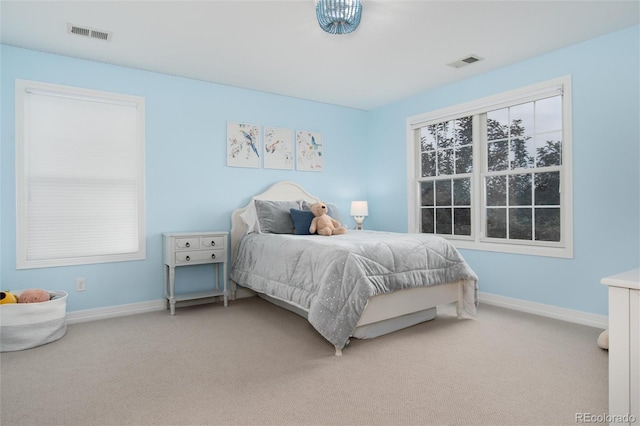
[368, 331]
[27, 325]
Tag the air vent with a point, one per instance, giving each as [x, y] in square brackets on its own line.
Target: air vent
[89, 32]
[465, 61]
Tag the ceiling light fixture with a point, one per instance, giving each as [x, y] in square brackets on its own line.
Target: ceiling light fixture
[338, 16]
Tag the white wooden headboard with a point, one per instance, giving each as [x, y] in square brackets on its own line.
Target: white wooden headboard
[280, 191]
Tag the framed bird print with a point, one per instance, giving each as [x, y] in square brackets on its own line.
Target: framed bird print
[243, 145]
[308, 151]
[278, 148]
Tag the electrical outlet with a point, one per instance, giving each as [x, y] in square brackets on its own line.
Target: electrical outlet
[80, 284]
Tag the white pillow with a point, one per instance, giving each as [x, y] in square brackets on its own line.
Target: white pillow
[250, 217]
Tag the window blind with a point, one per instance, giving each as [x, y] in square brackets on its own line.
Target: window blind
[80, 179]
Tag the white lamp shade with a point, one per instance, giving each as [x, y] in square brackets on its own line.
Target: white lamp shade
[359, 208]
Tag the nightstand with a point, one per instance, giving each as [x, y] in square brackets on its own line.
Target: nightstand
[195, 248]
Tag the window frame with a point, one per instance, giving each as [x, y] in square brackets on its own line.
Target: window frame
[22, 90]
[478, 240]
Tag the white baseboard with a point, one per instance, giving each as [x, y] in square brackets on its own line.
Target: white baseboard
[74, 317]
[549, 311]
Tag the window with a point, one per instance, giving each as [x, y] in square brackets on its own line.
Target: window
[495, 174]
[79, 176]
[446, 155]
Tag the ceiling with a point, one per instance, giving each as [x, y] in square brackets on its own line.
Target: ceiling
[400, 49]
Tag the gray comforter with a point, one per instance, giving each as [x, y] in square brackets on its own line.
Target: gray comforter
[332, 278]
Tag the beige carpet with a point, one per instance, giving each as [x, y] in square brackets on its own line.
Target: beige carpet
[253, 363]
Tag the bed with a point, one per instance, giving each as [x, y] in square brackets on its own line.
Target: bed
[361, 284]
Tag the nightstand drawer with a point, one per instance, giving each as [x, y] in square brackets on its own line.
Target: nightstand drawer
[212, 241]
[186, 243]
[207, 256]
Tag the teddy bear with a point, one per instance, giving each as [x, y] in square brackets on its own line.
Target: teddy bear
[7, 297]
[34, 295]
[324, 224]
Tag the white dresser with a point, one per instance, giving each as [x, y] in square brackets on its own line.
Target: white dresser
[624, 347]
[195, 248]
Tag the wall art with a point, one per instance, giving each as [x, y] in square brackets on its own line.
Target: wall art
[243, 145]
[308, 151]
[278, 148]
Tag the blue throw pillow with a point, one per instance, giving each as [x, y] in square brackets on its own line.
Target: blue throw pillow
[301, 221]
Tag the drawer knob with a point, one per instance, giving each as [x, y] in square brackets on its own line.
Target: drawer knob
[213, 243]
[188, 258]
[188, 245]
[213, 255]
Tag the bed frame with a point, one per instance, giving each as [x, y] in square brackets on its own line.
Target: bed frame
[384, 313]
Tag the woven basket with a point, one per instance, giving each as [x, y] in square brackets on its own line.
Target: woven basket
[27, 325]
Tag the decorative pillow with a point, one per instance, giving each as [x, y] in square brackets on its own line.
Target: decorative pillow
[250, 217]
[301, 221]
[274, 217]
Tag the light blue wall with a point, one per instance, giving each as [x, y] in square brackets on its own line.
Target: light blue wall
[606, 162]
[188, 185]
[190, 188]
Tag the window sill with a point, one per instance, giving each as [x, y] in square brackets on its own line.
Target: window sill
[559, 252]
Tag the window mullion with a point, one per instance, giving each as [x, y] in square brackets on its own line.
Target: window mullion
[478, 197]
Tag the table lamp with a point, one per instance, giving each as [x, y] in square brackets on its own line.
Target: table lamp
[359, 210]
